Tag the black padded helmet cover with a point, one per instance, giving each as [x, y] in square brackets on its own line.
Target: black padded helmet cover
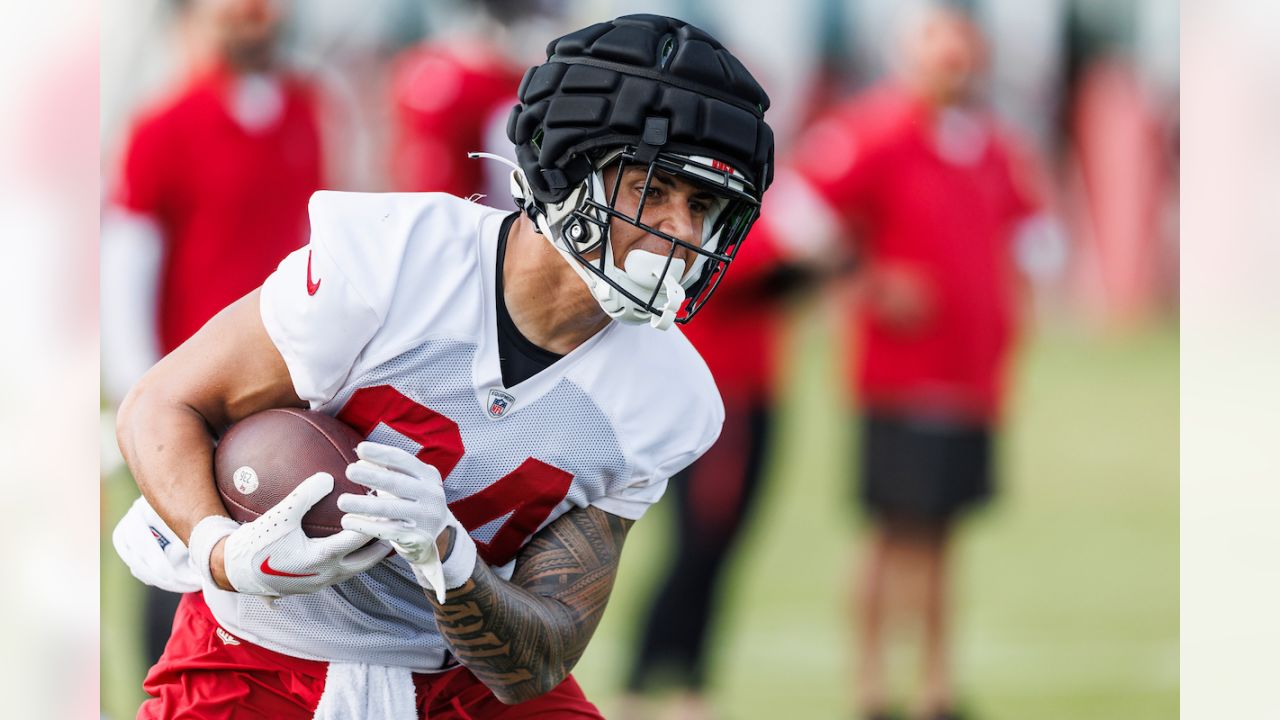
[639, 79]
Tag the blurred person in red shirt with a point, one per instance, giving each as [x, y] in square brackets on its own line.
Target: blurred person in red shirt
[933, 191]
[211, 196]
[452, 96]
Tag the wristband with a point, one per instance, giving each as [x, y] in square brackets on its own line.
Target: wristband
[454, 571]
[461, 562]
[203, 538]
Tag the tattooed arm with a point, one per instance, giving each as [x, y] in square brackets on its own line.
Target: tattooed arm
[521, 638]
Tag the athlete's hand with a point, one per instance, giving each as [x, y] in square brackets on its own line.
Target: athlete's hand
[272, 556]
[408, 510]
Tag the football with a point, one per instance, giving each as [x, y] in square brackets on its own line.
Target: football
[262, 458]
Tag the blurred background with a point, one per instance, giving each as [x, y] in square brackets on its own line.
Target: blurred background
[1065, 586]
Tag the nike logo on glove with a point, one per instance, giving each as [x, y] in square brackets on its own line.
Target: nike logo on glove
[312, 287]
[268, 570]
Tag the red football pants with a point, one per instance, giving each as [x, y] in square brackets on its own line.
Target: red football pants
[206, 673]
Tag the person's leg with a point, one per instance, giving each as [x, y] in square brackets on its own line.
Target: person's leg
[666, 645]
[936, 691]
[926, 472]
[869, 612]
[711, 499]
[916, 475]
[964, 469]
[915, 588]
[877, 593]
[715, 511]
[904, 586]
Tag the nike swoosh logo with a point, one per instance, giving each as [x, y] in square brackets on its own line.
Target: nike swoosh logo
[312, 286]
[268, 570]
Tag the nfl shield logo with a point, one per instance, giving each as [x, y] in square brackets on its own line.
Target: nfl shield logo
[499, 403]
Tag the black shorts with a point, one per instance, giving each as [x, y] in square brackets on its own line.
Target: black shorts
[924, 469]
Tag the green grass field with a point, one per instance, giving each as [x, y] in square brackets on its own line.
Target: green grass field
[1068, 585]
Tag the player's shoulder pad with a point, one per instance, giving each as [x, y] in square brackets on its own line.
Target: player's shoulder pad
[375, 238]
[670, 384]
[381, 269]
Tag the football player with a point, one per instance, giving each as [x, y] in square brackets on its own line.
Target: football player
[522, 391]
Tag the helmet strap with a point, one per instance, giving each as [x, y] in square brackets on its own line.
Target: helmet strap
[652, 139]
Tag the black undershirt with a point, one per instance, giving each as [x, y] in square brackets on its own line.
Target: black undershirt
[520, 359]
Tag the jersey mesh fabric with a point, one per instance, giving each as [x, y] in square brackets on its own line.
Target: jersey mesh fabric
[382, 616]
[378, 617]
[563, 428]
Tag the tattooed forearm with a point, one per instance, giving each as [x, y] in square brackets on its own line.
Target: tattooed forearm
[521, 638]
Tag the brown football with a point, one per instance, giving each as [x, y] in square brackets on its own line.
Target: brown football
[262, 458]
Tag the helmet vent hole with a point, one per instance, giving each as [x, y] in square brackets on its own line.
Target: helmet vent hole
[668, 49]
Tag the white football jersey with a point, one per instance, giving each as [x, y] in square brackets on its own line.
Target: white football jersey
[388, 321]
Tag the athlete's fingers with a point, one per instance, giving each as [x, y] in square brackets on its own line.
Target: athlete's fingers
[370, 475]
[390, 507]
[395, 458]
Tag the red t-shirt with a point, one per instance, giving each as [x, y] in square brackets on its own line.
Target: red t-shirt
[736, 331]
[231, 203]
[935, 198]
[445, 97]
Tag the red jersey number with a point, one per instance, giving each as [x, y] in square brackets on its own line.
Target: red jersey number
[529, 493]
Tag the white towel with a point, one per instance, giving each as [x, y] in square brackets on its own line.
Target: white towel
[356, 691]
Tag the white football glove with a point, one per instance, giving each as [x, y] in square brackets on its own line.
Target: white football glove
[273, 557]
[408, 510]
